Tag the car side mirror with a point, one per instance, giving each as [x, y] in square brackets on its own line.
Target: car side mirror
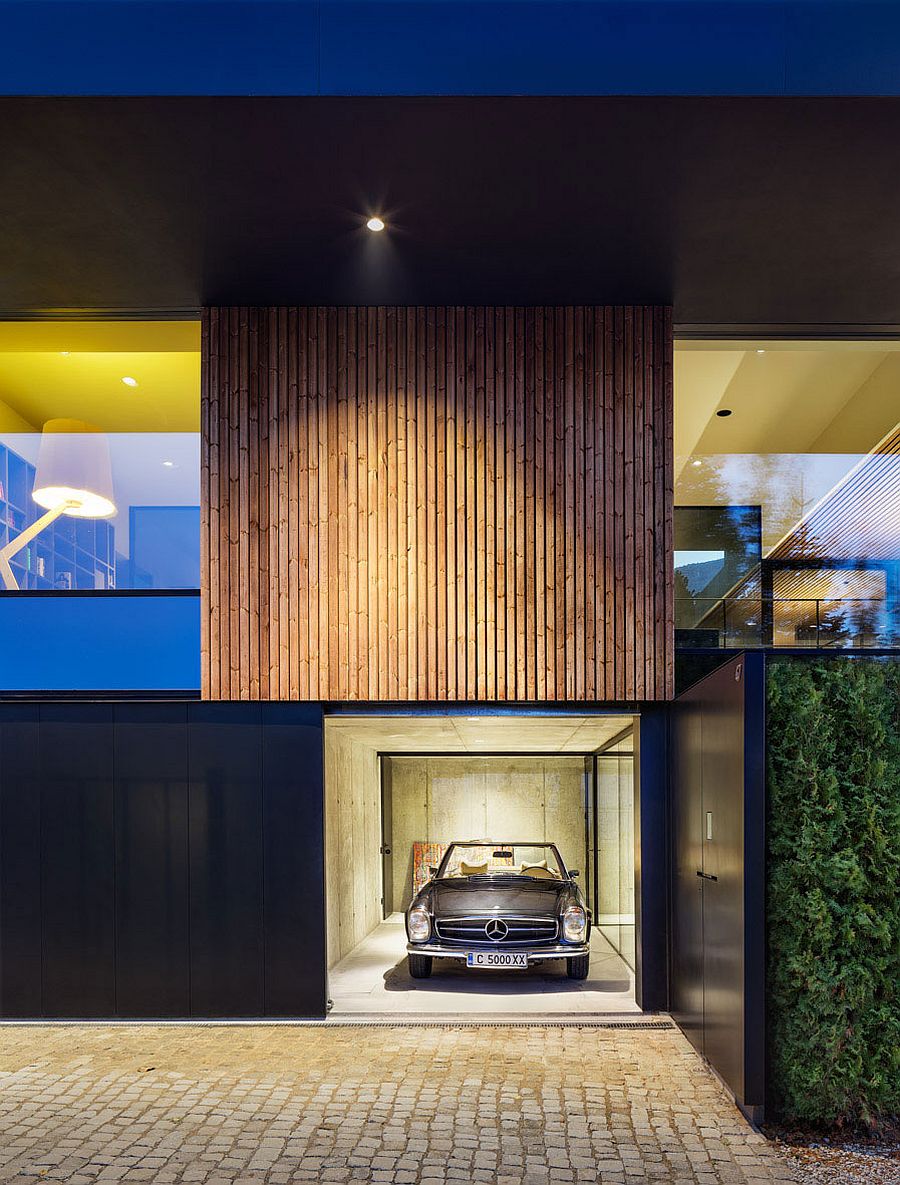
[432, 870]
[573, 872]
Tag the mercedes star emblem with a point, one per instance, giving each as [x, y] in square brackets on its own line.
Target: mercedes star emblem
[496, 929]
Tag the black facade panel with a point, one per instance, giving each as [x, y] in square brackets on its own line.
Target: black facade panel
[226, 856]
[722, 847]
[294, 849]
[77, 860]
[161, 859]
[20, 860]
[687, 859]
[718, 854]
[152, 875]
[651, 859]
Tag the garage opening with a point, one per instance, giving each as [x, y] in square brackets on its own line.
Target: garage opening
[553, 795]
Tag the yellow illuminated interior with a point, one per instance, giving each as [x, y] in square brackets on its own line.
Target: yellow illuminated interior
[52, 369]
[799, 441]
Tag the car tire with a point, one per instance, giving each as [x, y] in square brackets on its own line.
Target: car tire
[577, 967]
[420, 965]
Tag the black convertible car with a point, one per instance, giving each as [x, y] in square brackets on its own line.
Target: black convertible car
[499, 905]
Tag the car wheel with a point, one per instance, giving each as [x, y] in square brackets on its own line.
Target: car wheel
[577, 968]
[420, 965]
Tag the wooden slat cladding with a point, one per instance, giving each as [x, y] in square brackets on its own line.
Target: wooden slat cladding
[437, 503]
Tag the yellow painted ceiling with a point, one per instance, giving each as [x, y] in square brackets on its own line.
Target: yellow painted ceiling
[785, 397]
[75, 369]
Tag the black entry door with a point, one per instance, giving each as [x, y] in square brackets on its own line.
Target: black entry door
[718, 831]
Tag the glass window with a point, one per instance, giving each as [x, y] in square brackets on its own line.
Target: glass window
[99, 455]
[535, 861]
[787, 494]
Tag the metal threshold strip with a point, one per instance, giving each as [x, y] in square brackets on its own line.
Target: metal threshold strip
[380, 1021]
[503, 1022]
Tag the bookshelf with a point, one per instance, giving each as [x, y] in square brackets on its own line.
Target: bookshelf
[71, 553]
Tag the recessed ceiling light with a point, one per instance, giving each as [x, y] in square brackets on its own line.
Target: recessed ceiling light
[725, 411]
[760, 351]
[696, 463]
[65, 353]
[169, 464]
[129, 381]
[375, 224]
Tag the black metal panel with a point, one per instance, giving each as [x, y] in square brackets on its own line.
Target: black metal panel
[152, 952]
[20, 861]
[687, 859]
[722, 841]
[755, 882]
[718, 835]
[651, 858]
[161, 859]
[77, 860]
[226, 855]
[294, 860]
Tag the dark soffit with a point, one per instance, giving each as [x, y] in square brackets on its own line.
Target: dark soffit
[775, 212]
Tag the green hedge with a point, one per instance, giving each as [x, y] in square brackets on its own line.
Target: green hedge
[834, 889]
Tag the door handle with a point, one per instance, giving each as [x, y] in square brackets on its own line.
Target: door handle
[385, 851]
[707, 876]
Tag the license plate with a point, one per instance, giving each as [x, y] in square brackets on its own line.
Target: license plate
[495, 958]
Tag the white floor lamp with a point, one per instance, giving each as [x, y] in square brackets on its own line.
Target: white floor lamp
[73, 477]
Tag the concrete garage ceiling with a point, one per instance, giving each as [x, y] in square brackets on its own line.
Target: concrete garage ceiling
[480, 734]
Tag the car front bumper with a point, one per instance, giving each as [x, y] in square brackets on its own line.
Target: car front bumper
[562, 950]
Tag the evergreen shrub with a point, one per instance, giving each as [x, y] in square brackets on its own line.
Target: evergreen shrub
[833, 896]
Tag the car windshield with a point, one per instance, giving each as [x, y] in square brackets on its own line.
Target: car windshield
[539, 861]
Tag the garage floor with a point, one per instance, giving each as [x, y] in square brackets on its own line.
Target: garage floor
[374, 979]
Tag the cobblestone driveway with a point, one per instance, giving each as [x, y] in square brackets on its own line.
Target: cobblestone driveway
[218, 1104]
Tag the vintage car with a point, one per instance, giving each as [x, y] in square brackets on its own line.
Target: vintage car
[499, 905]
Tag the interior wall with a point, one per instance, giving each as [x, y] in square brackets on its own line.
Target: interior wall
[615, 852]
[441, 799]
[352, 842]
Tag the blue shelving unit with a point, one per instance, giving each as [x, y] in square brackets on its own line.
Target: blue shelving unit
[71, 553]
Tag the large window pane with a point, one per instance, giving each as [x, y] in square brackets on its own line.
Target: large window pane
[787, 494]
[99, 455]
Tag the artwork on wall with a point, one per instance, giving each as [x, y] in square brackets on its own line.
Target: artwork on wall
[425, 857]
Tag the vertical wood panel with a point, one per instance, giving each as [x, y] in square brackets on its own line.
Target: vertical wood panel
[443, 503]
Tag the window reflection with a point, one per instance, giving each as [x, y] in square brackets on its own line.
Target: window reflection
[99, 477]
[787, 511]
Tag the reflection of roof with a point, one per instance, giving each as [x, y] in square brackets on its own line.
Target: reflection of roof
[859, 518]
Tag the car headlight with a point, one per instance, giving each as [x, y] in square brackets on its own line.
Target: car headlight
[574, 925]
[419, 924]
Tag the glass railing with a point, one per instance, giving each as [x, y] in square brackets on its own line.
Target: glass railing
[737, 623]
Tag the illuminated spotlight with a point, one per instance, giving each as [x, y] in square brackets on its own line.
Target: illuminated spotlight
[169, 464]
[375, 224]
[696, 463]
[65, 353]
[129, 381]
[760, 351]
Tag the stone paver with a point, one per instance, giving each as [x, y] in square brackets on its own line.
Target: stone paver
[232, 1104]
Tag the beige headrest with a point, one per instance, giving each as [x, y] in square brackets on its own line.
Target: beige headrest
[472, 869]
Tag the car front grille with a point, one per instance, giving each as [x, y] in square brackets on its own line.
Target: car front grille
[520, 931]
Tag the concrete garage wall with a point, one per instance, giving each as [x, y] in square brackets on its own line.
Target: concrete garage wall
[441, 799]
[352, 842]
[615, 852]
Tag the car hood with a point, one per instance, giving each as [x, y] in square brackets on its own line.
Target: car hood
[514, 895]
